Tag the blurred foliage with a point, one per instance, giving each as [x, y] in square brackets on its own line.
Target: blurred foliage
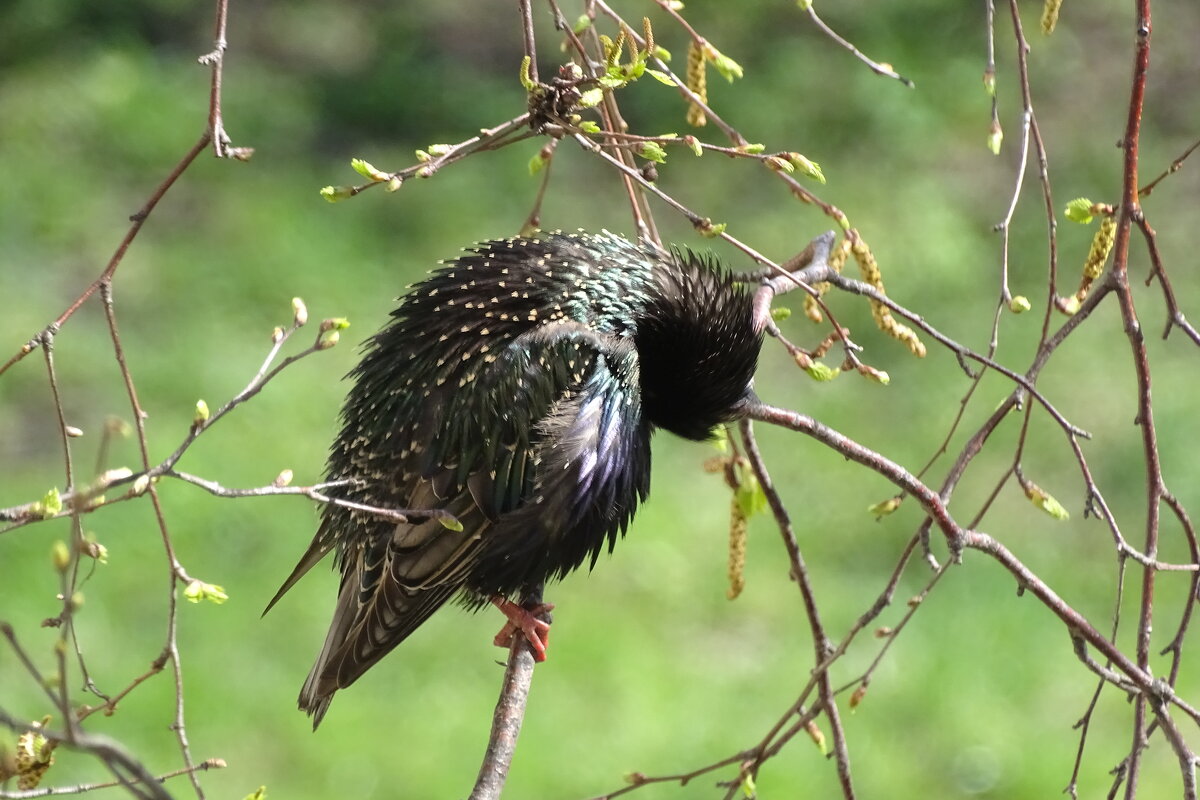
[652, 669]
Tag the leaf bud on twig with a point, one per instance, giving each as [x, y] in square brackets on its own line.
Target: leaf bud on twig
[202, 414]
[299, 312]
[60, 556]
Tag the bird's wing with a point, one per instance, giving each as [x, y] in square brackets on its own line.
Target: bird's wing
[589, 465]
[542, 429]
[389, 587]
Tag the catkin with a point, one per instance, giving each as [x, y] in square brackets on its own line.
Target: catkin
[737, 548]
[697, 82]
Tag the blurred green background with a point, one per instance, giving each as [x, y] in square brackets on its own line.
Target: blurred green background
[652, 669]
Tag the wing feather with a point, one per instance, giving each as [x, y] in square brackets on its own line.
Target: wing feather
[543, 458]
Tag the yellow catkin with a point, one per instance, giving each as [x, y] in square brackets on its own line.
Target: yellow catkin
[811, 309]
[1050, 15]
[697, 82]
[33, 757]
[883, 317]
[1102, 244]
[737, 548]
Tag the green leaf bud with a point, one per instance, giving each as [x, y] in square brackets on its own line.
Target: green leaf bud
[591, 98]
[652, 151]
[367, 170]
[807, 167]
[60, 556]
[1080, 210]
[334, 194]
[197, 590]
[884, 507]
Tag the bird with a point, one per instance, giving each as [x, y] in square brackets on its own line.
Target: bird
[516, 390]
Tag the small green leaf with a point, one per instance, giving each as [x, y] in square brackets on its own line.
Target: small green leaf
[1080, 210]
[884, 507]
[591, 98]
[367, 170]
[694, 143]
[725, 65]
[751, 498]
[451, 524]
[661, 76]
[260, 794]
[335, 193]
[652, 151]
[587, 126]
[197, 590]
[202, 414]
[49, 506]
[807, 166]
[780, 314]
[582, 23]
[1045, 501]
[1019, 304]
[819, 371]
[537, 163]
[751, 149]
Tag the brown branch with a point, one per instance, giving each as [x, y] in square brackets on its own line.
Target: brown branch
[799, 573]
[138, 219]
[876, 67]
[1119, 280]
[509, 714]
[82, 788]
[128, 771]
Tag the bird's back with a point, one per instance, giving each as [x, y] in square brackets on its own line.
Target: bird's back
[505, 390]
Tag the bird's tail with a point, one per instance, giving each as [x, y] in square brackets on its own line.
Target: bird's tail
[318, 689]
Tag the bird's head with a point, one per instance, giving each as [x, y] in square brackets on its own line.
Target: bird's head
[697, 347]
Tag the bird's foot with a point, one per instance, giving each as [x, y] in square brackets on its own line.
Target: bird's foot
[526, 621]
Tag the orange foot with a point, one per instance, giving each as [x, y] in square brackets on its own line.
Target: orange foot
[526, 621]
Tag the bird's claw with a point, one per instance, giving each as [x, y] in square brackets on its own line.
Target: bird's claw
[525, 620]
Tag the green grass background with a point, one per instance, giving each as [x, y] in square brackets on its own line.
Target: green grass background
[651, 669]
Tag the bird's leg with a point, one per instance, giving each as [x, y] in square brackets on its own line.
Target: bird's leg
[524, 618]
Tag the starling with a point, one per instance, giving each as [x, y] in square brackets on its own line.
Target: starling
[517, 389]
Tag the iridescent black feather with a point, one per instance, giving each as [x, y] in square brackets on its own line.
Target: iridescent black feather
[516, 388]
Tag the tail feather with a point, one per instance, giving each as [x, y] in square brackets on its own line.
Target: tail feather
[321, 546]
[386, 593]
